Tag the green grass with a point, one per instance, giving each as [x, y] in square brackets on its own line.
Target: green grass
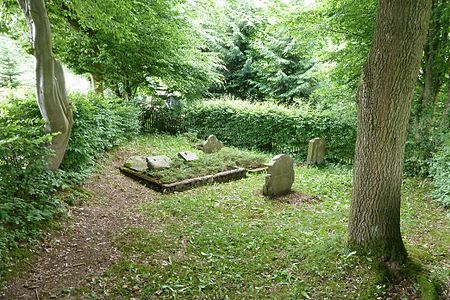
[228, 242]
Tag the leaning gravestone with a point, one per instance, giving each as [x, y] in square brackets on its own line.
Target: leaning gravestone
[316, 152]
[212, 144]
[280, 176]
[136, 163]
[188, 155]
[158, 162]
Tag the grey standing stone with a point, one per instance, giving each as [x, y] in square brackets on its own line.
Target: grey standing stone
[188, 155]
[280, 176]
[136, 163]
[212, 144]
[316, 151]
[158, 162]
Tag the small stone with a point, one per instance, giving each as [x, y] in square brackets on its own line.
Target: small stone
[158, 162]
[212, 144]
[280, 176]
[316, 151]
[136, 163]
[188, 155]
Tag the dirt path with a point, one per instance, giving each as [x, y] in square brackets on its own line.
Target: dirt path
[73, 256]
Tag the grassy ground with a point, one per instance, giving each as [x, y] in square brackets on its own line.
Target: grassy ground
[228, 242]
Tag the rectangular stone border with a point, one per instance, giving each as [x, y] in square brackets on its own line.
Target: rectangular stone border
[186, 184]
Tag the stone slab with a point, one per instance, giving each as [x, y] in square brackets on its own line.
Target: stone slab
[316, 151]
[158, 162]
[136, 163]
[188, 156]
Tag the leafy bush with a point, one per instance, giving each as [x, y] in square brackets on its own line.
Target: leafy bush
[99, 124]
[267, 127]
[440, 170]
[28, 197]
[26, 184]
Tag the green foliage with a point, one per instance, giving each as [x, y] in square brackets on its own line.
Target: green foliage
[440, 171]
[26, 183]
[268, 127]
[9, 66]
[9, 72]
[99, 124]
[350, 25]
[262, 57]
[430, 106]
[28, 196]
[226, 159]
[242, 22]
[125, 43]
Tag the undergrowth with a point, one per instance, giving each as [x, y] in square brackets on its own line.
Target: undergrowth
[227, 241]
[31, 195]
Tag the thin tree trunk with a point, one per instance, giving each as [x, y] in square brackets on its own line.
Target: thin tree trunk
[433, 77]
[50, 83]
[384, 104]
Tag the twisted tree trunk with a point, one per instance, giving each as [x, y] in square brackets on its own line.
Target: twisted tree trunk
[384, 105]
[50, 83]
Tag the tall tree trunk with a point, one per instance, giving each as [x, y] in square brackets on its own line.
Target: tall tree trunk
[384, 104]
[50, 83]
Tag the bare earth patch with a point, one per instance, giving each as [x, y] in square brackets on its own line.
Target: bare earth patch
[83, 249]
[299, 198]
[296, 198]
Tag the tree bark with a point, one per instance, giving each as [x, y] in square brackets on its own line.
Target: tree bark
[384, 104]
[50, 83]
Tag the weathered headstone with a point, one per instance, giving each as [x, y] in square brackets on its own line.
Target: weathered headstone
[316, 151]
[280, 176]
[136, 163]
[188, 155]
[212, 144]
[158, 162]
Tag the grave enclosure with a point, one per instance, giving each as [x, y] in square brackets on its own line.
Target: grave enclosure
[278, 181]
[136, 166]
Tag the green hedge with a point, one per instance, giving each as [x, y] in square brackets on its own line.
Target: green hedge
[440, 171]
[99, 123]
[266, 126]
[28, 197]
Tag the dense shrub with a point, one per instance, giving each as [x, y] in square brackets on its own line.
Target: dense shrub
[440, 170]
[99, 123]
[27, 187]
[266, 127]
